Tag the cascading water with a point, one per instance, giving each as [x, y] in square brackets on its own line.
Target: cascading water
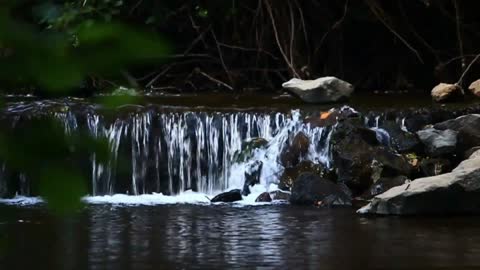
[170, 152]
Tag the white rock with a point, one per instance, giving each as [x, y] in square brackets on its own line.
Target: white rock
[321, 90]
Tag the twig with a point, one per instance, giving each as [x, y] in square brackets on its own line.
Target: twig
[292, 32]
[467, 69]
[235, 47]
[214, 80]
[221, 58]
[334, 26]
[373, 7]
[459, 33]
[158, 76]
[277, 39]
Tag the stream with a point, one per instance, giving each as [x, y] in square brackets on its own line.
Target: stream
[148, 205]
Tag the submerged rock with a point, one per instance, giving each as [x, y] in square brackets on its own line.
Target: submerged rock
[321, 90]
[294, 152]
[445, 92]
[252, 176]
[457, 192]
[438, 142]
[475, 88]
[264, 197]
[310, 189]
[229, 196]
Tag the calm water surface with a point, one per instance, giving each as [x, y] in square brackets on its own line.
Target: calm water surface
[219, 237]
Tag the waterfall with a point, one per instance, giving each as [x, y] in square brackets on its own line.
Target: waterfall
[154, 150]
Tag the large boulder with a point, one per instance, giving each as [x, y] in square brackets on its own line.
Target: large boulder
[295, 151]
[468, 128]
[360, 160]
[457, 192]
[229, 196]
[438, 142]
[445, 92]
[311, 189]
[321, 90]
[475, 88]
[252, 176]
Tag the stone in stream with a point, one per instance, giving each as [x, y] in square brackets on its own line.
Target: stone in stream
[383, 184]
[475, 88]
[359, 159]
[468, 128]
[264, 197]
[321, 90]
[252, 176]
[291, 174]
[435, 166]
[311, 189]
[293, 153]
[331, 117]
[248, 148]
[438, 142]
[229, 196]
[280, 195]
[445, 92]
[457, 192]
[403, 141]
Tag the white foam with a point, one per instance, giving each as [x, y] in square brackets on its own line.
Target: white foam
[22, 201]
[187, 197]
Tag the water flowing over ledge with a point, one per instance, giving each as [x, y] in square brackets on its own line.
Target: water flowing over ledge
[154, 150]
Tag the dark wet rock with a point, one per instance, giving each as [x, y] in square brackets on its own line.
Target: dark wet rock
[252, 176]
[435, 166]
[457, 192]
[331, 117]
[401, 140]
[280, 195]
[229, 196]
[264, 197]
[291, 174]
[310, 189]
[321, 90]
[383, 184]
[474, 88]
[468, 128]
[293, 153]
[445, 92]
[359, 158]
[438, 142]
[248, 148]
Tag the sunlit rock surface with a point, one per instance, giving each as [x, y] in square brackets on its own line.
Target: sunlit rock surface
[321, 90]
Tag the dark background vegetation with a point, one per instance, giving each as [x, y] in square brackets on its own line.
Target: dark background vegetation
[235, 45]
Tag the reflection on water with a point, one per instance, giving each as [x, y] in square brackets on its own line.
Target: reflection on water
[189, 236]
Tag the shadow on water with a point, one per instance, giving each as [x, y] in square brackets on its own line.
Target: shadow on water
[190, 236]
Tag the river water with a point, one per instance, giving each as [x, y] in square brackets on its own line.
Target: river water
[225, 237]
